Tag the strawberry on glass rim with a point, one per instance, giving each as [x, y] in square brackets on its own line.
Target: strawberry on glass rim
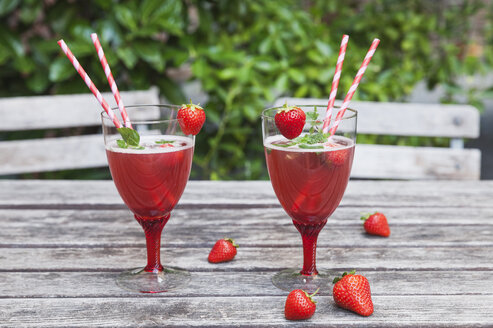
[290, 121]
[191, 118]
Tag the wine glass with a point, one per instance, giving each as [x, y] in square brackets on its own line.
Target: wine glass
[150, 179]
[309, 175]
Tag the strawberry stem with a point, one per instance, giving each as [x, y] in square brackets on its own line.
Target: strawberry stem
[315, 292]
[232, 241]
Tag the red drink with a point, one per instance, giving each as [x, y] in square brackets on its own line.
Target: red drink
[310, 183]
[151, 181]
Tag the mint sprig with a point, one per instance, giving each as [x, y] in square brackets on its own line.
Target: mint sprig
[131, 139]
[313, 116]
[130, 136]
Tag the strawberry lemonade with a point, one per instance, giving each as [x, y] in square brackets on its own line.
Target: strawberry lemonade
[309, 182]
[151, 178]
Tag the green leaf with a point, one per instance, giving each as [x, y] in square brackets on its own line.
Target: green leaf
[128, 57]
[38, 82]
[323, 48]
[121, 143]
[61, 69]
[305, 146]
[130, 136]
[6, 6]
[162, 141]
[125, 17]
[150, 52]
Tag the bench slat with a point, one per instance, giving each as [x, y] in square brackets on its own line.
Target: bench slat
[37, 155]
[61, 111]
[407, 119]
[401, 162]
[371, 161]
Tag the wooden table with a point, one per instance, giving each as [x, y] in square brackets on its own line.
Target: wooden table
[64, 242]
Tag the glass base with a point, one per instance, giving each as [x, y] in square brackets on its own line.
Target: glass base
[291, 279]
[140, 281]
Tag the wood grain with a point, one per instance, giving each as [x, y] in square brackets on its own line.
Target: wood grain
[255, 311]
[63, 243]
[251, 228]
[247, 284]
[249, 259]
[62, 111]
[216, 194]
[407, 119]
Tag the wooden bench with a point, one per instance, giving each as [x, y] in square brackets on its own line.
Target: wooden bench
[412, 119]
[54, 112]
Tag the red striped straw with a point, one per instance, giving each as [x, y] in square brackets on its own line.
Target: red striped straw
[355, 84]
[89, 83]
[335, 82]
[111, 80]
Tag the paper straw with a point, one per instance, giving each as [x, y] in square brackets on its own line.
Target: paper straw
[111, 80]
[354, 86]
[335, 82]
[89, 83]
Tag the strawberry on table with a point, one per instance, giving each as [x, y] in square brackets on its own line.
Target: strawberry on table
[352, 292]
[191, 118]
[223, 251]
[290, 121]
[376, 224]
[299, 305]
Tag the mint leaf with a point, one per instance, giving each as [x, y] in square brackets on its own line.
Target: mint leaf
[138, 147]
[305, 146]
[121, 143]
[312, 138]
[285, 145]
[162, 141]
[312, 115]
[130, 136]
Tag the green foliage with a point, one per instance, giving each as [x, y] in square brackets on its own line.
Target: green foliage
[244, 53]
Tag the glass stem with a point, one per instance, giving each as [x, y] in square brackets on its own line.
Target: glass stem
[152, 229]
[309, 235]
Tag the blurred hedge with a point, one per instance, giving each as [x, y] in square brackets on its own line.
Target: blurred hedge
[244, 53]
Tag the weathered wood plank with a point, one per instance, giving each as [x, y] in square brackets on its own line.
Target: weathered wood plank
[102, 284]
[249, 259]
[407, 119]
[62, 111]
[365, 194]
[415, 163]
[51, 154]
[251, 228]
[390, 311]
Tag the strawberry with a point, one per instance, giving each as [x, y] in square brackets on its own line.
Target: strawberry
[290, 121]
[352, 292]
[223, 251]
[299, 305]
[338, 157]
[191, 118]
[376, 224]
